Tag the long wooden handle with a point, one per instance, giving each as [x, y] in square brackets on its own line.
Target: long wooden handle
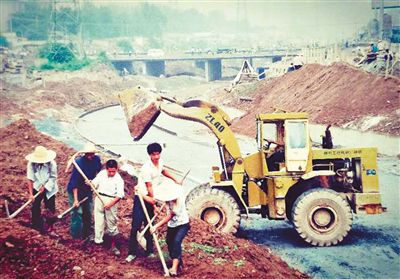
[24, 205]
[70, 209]
[6, 206]
[140, 235]
[184, 177]
[160, 254]
[86, 179]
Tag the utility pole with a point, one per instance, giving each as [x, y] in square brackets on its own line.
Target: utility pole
[80, 43]
[241, 16]
[59, 32]
[381, 13]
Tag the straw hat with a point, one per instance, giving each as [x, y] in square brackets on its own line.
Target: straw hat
[41, 155]
[89, 148]
[168, 190]
[129, 169]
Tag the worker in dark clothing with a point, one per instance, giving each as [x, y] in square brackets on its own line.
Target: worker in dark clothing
[81, 216]
[327, 139]
[277, 157]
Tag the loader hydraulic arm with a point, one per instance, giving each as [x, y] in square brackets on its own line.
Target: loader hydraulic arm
[218, 122]
[209, 115]
[142, 108]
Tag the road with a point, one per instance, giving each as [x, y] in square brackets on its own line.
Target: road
[371, 249]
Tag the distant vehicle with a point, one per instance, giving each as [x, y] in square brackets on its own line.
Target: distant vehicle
[225, 50]
[155, 52]
[193, 51]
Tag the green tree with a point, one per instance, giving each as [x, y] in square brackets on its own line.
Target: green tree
[4, 42]
[57, 53]
[149, 20]
[66, 20]
[32, 21]
[99, 22]
[125, 45]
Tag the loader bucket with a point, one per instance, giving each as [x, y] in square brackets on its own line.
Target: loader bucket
[141, 109]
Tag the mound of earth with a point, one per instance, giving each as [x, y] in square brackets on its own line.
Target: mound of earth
[338, 94]
[24, 253]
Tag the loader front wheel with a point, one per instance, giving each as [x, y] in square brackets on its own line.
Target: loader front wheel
[216, 207]
[322, 217]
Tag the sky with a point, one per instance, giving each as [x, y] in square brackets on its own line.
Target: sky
[323, 18]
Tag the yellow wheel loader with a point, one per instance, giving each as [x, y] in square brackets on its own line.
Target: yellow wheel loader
[318, 190]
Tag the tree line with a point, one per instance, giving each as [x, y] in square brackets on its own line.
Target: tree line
[39, 21]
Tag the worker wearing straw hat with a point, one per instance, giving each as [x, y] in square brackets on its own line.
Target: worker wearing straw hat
[81, 216]
[42, 177]
[177, 219]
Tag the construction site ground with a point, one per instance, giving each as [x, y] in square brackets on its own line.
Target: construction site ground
[187, 147]
[338, 94]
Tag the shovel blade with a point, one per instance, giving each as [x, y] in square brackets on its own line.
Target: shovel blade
[141, 109]
[142, 242]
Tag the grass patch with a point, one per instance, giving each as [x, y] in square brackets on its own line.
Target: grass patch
[208, 249]
[205, 248]
[73, 65]
[163, 242]
[239, 263]
[219, 261]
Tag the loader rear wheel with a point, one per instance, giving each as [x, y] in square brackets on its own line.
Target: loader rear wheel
[322, 217]
[216, 207]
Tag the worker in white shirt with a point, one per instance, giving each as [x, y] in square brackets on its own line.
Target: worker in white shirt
[150, 175]
[110, 186]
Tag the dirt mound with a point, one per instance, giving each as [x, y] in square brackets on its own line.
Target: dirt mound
[25, 253]
[16, 141]
[338, 94]
[61, 100]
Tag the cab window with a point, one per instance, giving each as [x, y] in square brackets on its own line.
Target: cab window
[297, 134]
[269, 132]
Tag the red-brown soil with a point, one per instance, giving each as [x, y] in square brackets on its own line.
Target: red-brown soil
[61, 100]
[335, 94]
[141, 122]
[26, 254]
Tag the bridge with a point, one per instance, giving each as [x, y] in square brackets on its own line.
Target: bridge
[210, 62]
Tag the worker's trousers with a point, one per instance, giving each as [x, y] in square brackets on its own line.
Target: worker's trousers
[175, 237]
[139, 218]
[81, 218]
[50, 204]
[104, 218]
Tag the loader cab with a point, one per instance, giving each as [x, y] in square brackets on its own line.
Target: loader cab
[283, 141]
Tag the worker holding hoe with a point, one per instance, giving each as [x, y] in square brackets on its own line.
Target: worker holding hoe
[150, 176]
[177, 218]
[110, 186]
[81, 216]
[42, 183]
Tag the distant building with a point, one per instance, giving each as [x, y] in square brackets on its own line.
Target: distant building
[7, 8]
[387, 14]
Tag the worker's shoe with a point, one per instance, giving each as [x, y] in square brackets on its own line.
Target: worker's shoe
[88, 239]
[151, 255]
[53, 234]
[130, 258]
[98, 243]
[172, 272]
[116, 251]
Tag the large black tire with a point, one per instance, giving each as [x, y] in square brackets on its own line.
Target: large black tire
[216, 207]
[194, 191]
[322, 217]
